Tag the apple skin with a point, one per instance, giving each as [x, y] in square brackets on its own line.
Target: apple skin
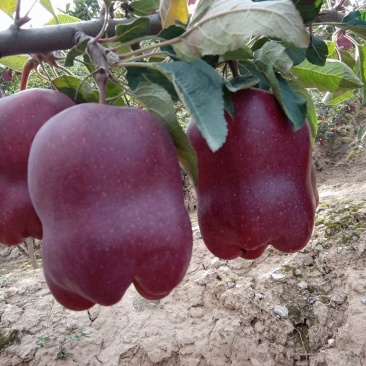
[344, 42]
[105, 182]
[7, 76]
[21, 116]
[259, 188]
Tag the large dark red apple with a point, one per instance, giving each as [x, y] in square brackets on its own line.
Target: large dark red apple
[105, 182]
[259, 187]
[21, 116]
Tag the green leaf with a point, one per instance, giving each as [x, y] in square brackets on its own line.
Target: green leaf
[48, 6]
[69, 84]
[228, 24]
[337, 97]
[201, 9]
[158, 101]
[292, 104]
[248, 69]
[355, 21]
[276, 55]
[346, 56]
[77, 50]
[121, 49]
[308, 9]
[8, 7]
[63, 19]
[242, 53]
[137, 75]
[361, 69]
[332, 53]
[144, 7]
[332, 77]
[228, 103]
[241, 82]
[171, 32]
[201, 89]
[259, 43]
[317, 52]
[311, 111]
[87, 63]
[15, 63]
[128, 32]
[296, 54]
[114, 94]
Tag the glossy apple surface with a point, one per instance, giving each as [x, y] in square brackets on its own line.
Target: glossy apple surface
[21, 116]
[105, 182]
[259, 188]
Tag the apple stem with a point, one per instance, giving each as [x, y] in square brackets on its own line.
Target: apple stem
[101, 80]
[105, 14]
[27, 68]
[233, 64]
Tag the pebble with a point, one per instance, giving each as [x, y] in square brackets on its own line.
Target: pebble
[319, 247]
[331, 342]
[259, 327]
[363, 301]
[339, 299]
[361, 249]
[278, 276]
[354, 238]
[303, 285]
[215, 263]
[225, 269]
[298, 272]
[203, 279]
[258, 296]
[282, 311]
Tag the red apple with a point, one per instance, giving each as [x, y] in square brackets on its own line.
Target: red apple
[344, 42]
[21, 116]
[7, 75]
[259, 187]
[105, 182]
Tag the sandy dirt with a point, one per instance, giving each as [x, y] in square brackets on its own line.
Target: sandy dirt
[307, 308]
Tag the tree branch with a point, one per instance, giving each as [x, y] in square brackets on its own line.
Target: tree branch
[17, 41]
[329, 16]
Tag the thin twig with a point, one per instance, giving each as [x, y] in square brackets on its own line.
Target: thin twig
[32, 256]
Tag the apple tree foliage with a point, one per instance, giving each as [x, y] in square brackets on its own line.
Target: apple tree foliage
[158, 55]
[284, 46]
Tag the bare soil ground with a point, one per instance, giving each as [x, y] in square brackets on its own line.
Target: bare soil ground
[307, 308]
